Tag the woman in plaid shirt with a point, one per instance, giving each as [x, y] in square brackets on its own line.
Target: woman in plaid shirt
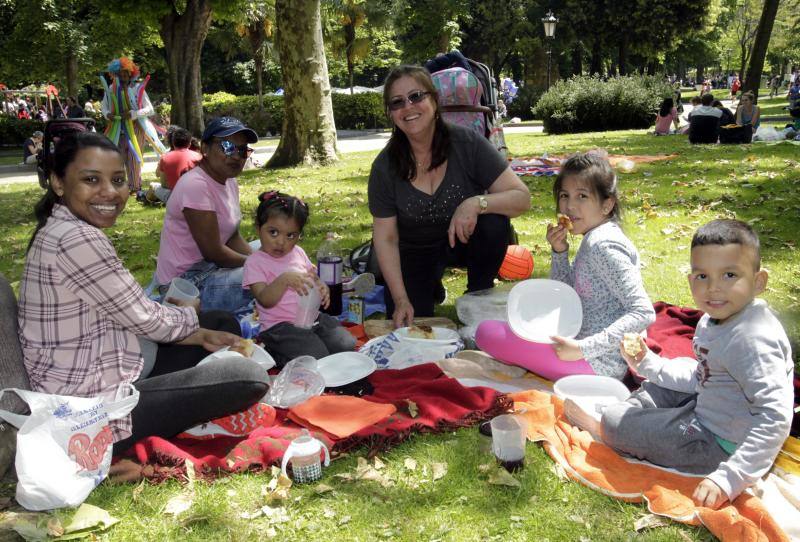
[86, 326]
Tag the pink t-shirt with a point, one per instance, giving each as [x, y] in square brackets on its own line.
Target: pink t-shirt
[197, 190]
[663, 123]
[261, 267]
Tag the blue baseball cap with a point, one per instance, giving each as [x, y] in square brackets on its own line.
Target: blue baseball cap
[226, 126]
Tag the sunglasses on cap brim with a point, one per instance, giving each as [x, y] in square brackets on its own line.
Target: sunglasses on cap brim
[398, 102]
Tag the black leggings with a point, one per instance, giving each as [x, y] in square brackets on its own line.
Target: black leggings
[423, 268]
[178, 395]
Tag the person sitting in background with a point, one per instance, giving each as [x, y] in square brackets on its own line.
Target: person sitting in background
[173, 164]
[748, 112]
[727, 117]
[704, 121]
[667, 114]
[794, 95]
[31, 147]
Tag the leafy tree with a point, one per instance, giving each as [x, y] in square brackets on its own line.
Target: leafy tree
[308, 134]
[427, 27]
[346, 27]
[759, 52]
[64, 41]
[256, 27]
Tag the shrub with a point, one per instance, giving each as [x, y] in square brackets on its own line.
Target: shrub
[587, 104]
[523, 103]
[359, 111]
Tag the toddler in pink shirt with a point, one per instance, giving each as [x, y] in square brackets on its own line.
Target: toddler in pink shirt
[278, 274]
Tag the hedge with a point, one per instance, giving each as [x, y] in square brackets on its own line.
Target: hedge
[588, 104]
[350, 112]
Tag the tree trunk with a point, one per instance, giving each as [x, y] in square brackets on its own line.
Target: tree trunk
[577, 59]
[72, 74]
[596, 63]
[259, 63]
[309, 134]
[701, 70]
[349, 41]
[183, 36]
[623, 55]
[759, 51]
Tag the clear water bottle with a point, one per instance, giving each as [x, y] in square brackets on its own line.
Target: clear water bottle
[330, 267]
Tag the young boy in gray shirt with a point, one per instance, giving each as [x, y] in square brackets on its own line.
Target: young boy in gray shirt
[727, 413]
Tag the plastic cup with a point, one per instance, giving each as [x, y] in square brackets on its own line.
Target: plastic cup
[308, 308]
[508, 441]
[182, 290]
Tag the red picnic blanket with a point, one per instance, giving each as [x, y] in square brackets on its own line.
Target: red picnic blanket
[440, 404]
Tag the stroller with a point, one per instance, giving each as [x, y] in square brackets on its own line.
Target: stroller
[54, 130]
[468, 95]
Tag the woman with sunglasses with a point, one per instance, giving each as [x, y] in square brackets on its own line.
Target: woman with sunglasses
[200, 239]
[440, 195]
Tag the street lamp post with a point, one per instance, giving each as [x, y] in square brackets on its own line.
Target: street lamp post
[550, 22]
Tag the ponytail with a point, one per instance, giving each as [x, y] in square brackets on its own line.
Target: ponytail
[42, 211]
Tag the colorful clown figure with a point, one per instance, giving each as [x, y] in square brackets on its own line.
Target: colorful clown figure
[127, 108]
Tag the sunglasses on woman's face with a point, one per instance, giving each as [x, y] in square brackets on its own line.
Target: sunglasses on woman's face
[230, 149]
[398, 102]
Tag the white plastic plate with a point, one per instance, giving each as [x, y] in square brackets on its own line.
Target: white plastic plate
[540, 308]
[260, 356]
[344, 368]
[442, 335]
[591, 392]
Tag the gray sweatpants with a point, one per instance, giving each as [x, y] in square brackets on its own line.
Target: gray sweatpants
[285, 341]
[659, 425]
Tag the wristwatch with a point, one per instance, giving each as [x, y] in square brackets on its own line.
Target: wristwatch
[483, 204]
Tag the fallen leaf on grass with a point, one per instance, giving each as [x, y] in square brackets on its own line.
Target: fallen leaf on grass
[439, 470]
[649, 521]
[190, 474]
[179, 504]
[486, 467]
[410, 463]
[328, 513]
[54, 528]
[275, 515]
[278, 487]
[88, 518]
[501, 477]
[137, 491]
[345, 519]
[320, 489]
[378, 463]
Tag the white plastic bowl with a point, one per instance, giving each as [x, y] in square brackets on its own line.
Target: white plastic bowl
[591, 392]
[540, 308]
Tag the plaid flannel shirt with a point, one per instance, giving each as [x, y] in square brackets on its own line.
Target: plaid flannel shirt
[80, 312]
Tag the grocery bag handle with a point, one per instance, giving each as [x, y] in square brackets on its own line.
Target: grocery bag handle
[17, 420]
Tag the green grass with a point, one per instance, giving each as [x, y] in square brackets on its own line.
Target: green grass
[663, 202]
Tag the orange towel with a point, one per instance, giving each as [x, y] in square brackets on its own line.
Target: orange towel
[339, 415]
[667, 493]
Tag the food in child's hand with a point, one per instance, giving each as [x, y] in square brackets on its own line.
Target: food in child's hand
[421, 332]
[564, 220]
[631, 344]
[245, 348]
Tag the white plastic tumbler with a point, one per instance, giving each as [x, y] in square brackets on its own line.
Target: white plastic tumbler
[308, 308]
[182, 290]
[508, 441]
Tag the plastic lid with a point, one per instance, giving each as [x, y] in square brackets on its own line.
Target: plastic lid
[305, 444]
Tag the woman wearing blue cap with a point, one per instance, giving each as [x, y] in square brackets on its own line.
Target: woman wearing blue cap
[200, 239]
